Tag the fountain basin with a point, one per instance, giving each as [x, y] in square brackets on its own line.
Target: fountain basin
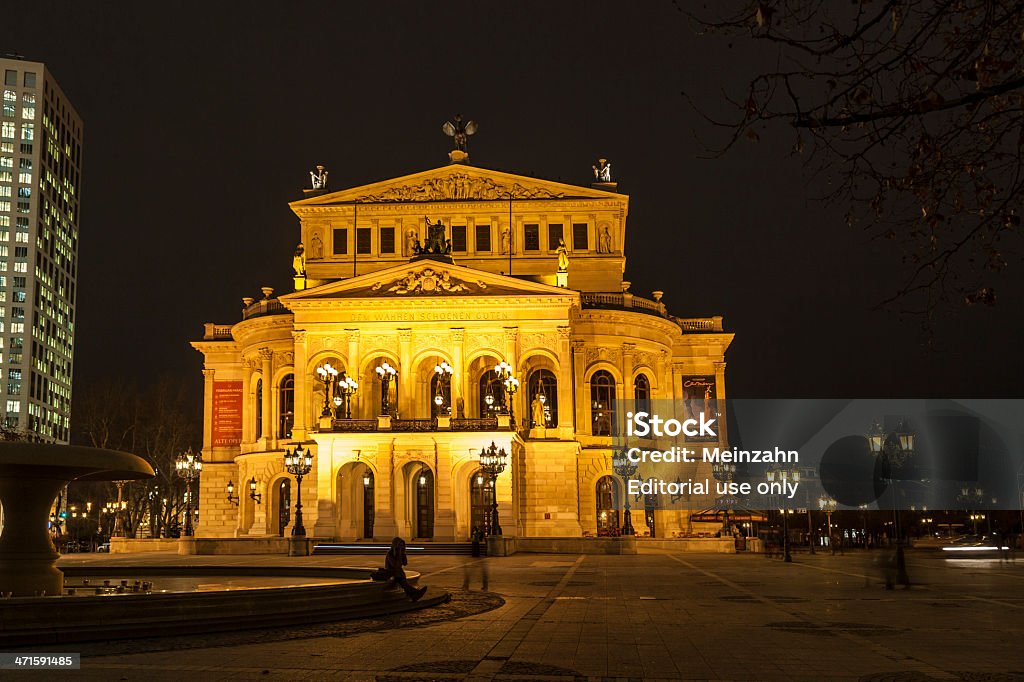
[316, 594]
[31, 475]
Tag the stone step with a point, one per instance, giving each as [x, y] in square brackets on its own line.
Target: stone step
[412, 549]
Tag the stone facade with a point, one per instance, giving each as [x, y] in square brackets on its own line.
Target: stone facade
[364, 299]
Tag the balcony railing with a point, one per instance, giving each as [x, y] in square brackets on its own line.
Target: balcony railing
[265, 307]
[626, 301]
[413, 425]
[216, 332]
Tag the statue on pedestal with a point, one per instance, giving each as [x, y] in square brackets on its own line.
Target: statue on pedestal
[299, 261]
[318, 178]
[459, 131]
[563, 256]
[537, 411]
[603, 171]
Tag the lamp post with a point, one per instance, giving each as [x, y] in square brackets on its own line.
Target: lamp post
[625, 468]
[444, 373]
[347, 386]
[327, 373]
[189, 466]
[894, 449]
[784, 476]
[511, 384]
[492, 463]
[723, 471]
[828, 505]
[298, 463]
[118, 531]
[386, 373]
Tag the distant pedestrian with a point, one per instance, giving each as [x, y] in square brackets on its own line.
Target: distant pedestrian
[476, 536]
[394, 567]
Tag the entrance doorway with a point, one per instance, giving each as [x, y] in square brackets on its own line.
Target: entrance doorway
[284, 505]
[423, 482]
[481, 501]
[607, 506]
[368, 504]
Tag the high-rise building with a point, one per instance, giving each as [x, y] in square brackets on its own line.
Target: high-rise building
[40, 193]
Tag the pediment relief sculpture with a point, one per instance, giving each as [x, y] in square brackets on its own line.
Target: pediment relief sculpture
[457, 186]
[428, 281]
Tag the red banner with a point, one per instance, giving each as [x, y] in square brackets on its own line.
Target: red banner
[227, 413]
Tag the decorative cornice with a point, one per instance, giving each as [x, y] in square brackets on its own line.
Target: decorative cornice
[427, 281]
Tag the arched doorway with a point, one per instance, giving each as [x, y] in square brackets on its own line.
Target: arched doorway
[368, 499]
[481, 501]
[423, 503]
[607, 506]
[284, 505]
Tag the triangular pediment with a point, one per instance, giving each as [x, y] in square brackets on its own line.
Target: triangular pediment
[455, 182]
[426, 278]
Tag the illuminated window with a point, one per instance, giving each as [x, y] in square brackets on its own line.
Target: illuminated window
[642, 393]
[259, 408]
[28, 131]
[286, 401]
[544, 386]
[602, 404]
[5, 190]
[7, 129]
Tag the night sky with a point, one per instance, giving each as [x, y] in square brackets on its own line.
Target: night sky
[202, 121]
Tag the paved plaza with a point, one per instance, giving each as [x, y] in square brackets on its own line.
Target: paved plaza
[649, 616]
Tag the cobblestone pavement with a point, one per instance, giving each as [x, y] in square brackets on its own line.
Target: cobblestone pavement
[650, 616]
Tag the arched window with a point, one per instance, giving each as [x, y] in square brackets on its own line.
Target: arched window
[286, 401]
[543, 385]
[642, 394]
[440, 386]
[259, 408]
[602, 404]
[492, 394]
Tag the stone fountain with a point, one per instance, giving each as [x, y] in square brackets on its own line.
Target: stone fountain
[31, 475]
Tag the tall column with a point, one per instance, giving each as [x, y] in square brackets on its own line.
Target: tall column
[459, 367]
[266, 362]
[302, 387]
[208, 412]
[582, 400]
[723, 433]
[626, 367]
[405, 379]
[565, 397]
[352, 367]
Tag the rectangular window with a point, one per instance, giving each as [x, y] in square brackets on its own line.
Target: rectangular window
[531, 237]
[10, 77]
[483, 238]
[363, 240]
[387, 240]
[554, 234]
[28, 131]
[7, 129]
[340, 241]
[580, 240]
[30, 79]
[459, 238]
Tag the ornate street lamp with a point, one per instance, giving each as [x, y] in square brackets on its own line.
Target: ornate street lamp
[386, 373]
[253, 495]
[232, 498]
[444, 373]
[347, 386]
[492, 463]
[625, 468]
[785, 475]
[327, 373]
[298, 463]
[828, 505]
[189, 466]
[511, 384]
[893, 449]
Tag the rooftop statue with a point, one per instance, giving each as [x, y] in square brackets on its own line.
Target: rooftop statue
[318, 178]
[603, 171]
[459, 130]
